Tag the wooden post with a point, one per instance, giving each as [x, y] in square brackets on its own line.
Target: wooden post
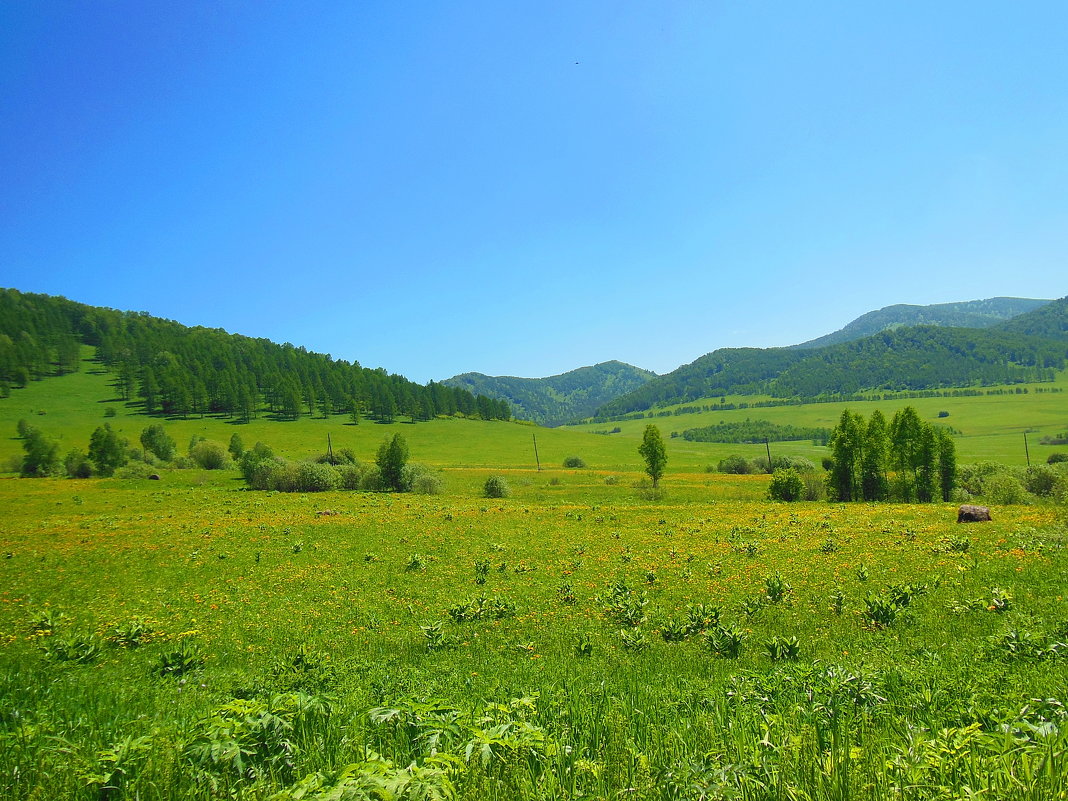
[768, 446]
[1027, 453]
[536, 459]
[329, 448]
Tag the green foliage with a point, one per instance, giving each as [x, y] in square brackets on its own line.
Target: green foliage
[654, 453]
[41, 454]
[786, 485]
[77, 465]
[753, 431]
[237, 447]
[736, 465]
[574, 462]
[107, 450]
[209, 455]
[177, 662]
[391, 459]
[496, 487]
[156, 440]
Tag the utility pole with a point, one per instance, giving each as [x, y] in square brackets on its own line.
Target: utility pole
[1027, 453]
[768, 447]
[536, 459]
[329, 448]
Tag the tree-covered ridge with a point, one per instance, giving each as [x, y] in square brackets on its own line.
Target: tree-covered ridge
[905, 359]
[965, 314]
[1049, 321]
[559, 398]
[173, 369]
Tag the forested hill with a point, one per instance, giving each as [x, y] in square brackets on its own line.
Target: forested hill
[559, 398]
[1050, 321]
[966, 314]
[915, 358]
[172, 369]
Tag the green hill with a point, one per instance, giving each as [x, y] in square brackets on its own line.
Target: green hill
[965, 314]
[165, 368]
[1050, 321]
[560, 398]
[902, 359]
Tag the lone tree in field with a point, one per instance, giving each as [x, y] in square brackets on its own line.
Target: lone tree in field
[392, 456]
[107, 450]
[655, 454]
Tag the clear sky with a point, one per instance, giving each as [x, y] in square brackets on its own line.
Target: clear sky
[524, 188]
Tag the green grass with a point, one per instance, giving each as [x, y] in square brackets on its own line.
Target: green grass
[274, 597]
[153, 633]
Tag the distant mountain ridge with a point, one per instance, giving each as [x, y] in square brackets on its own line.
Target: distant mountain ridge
[963, 314]
[560, 398]
[1028, 347]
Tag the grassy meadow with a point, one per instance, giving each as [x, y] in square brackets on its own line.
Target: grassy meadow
[188, 638]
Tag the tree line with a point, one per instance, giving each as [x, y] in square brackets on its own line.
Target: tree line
[175, 370]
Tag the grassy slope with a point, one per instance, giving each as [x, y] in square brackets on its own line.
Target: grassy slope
[992, 426]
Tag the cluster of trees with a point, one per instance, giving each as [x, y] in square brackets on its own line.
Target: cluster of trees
[35, 341]
[756, 431]
[340, 470]
[173, 369]
[906, 460]
[109, 451]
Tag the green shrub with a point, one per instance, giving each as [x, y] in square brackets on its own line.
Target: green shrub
[371, 480]
[798, 463]
[497, 487]
[209, 455]
[786, 485]
[574, 462]
[736, 465]
[315, 477]
[1059, 456]
[1004, 489]
[1041, 480]
[349, 476]
[77, 464]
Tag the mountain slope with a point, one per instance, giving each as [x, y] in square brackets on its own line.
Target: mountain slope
[913, 358]
[559, 398]
[1050, 321]
[965, 314]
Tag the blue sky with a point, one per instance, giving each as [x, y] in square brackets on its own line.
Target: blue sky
[524, 188]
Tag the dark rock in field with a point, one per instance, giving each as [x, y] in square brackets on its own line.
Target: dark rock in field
[325, 512]
[154, 477]
[973, 514]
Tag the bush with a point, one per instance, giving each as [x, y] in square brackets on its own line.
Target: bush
[786, 485]
[815, 487]
[1041, 480]
[1059, 456]
[736, 465]
[798, 463]
[1004, 489]
[574, 462]
[314, 477]
[77, 464]
[429, 484]
[371, 480]
[209, 455]
[420, 479]
[349, 476]
[497, 487]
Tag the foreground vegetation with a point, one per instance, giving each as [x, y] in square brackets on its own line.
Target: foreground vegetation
[187, 638]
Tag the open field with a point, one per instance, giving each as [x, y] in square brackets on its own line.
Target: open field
[554, 685]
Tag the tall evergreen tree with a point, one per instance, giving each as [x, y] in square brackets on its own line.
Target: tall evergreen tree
[874, 484]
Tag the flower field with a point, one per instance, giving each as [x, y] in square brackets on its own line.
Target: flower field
[190, 639]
